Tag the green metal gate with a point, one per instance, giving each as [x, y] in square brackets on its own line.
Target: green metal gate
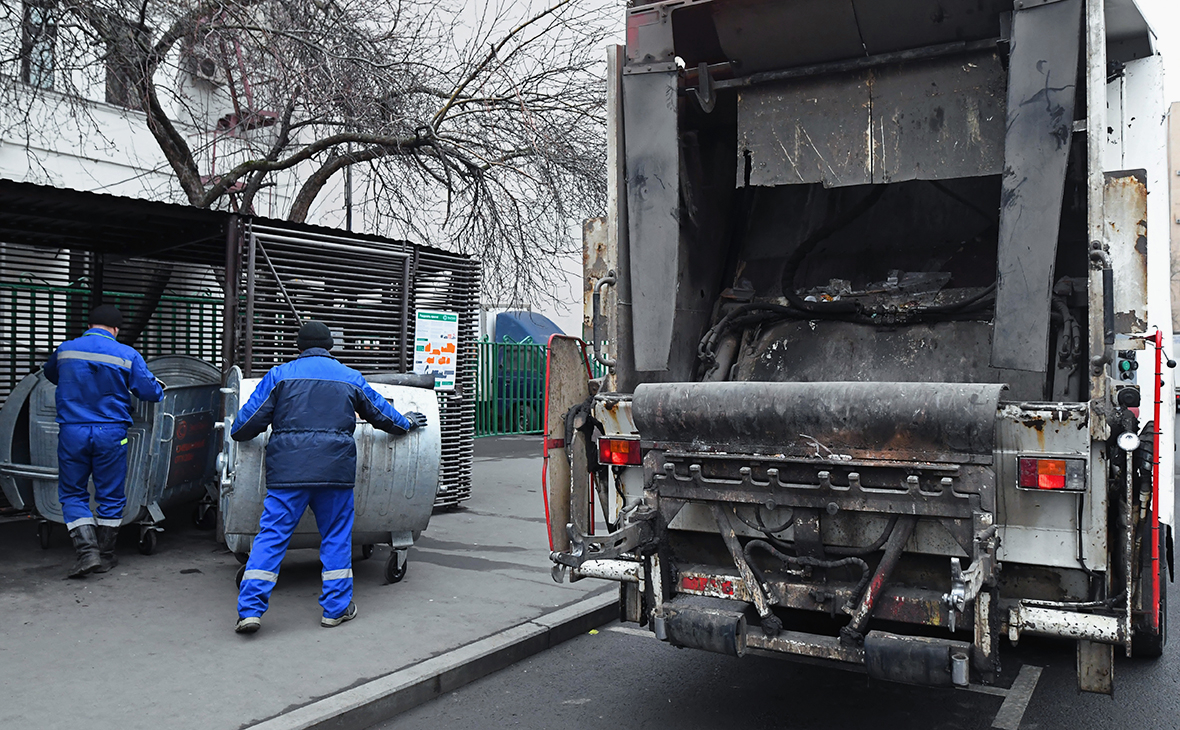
[510, 387]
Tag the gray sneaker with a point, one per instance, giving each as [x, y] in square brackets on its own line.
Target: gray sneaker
[349, 614]
[248, 625]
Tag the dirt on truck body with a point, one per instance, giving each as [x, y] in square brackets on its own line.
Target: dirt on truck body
[886, 351]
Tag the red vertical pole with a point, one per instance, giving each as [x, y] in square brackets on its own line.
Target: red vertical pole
[1155, 485]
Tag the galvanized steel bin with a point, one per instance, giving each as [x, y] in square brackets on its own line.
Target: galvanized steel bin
[170, 446]
[396, 478]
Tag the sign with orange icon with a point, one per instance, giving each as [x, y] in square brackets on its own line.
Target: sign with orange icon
[436, 336]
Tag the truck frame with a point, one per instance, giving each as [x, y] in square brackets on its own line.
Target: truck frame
[887, 314]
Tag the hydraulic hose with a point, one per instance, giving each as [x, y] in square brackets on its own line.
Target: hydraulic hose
[810, 562]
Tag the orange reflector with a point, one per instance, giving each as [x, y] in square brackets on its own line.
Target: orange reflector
[619, 452]
[1053, 474]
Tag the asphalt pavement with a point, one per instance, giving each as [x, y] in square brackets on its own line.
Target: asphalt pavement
[151, 644]
[620, 676]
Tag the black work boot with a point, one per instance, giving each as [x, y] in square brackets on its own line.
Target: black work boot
[86, 545]
[106, 548]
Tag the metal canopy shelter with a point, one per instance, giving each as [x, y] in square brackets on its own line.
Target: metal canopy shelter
[229, 289]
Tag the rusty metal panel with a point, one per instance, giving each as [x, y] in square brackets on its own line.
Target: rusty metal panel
[1126, 240]
[931, 120]
[597, 260]
[1041, 527]
[653, 212]
[1042, 87]
[815, 130]
[924, 421]
[939, 119]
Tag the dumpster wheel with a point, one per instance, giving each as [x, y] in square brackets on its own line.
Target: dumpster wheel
[366, 552]
[44, 534]
[147, 542]
[238, 578]
[395, 566]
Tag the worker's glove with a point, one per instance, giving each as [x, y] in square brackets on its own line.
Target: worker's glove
[417, 420]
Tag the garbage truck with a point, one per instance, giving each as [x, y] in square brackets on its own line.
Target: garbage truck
[883, 287]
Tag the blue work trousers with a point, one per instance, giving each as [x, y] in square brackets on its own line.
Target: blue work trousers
[281, 510]
[97, 450]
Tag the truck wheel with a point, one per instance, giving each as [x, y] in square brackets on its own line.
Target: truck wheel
[1145, 643]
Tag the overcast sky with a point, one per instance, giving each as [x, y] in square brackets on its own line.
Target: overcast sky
[1164, 16]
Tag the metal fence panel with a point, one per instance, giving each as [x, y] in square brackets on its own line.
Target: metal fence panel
[510, 387]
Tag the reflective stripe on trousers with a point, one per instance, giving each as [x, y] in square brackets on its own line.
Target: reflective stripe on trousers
[85, 451]
[281, 511]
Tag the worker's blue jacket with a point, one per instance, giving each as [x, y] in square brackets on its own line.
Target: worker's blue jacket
[95, 376]
[312, 403]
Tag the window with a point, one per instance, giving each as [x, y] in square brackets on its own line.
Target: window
[124, 65]
[122, 89]
[38, 39]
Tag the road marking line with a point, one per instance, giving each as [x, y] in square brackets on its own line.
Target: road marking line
[629, 630]
[1012, 711]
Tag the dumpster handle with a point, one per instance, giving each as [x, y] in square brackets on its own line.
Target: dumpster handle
[171, 427]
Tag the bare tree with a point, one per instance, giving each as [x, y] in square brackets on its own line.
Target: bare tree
[477, 127]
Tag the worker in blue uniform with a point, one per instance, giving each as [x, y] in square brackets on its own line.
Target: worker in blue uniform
[96, 375]
[311, 404]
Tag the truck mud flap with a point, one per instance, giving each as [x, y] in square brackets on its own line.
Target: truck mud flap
[567, 383]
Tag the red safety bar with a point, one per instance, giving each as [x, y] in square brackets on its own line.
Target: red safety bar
[1155, 484]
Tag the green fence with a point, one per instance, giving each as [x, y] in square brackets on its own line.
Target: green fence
[34, 320]
[510, 387]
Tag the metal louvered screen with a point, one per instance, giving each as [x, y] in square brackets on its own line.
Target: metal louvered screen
[448, 282]
[169, 307]
[367, 291]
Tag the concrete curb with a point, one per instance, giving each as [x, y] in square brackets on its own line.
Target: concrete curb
[385, 697]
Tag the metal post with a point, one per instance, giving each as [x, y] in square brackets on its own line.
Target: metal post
[97, 270]
[406, 357]
[233, 254]
[248, 356]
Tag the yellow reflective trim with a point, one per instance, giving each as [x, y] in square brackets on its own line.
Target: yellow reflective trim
[123, 442]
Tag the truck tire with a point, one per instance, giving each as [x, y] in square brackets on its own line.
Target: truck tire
[1146, 643]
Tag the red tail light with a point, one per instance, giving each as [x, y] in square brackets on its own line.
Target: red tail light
[1065, 474]
[619, 452]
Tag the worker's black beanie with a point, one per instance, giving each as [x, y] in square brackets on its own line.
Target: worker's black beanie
[314, 334]
[107, 315]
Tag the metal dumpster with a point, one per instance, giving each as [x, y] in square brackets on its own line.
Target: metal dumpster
[396, 478]
[170, 449]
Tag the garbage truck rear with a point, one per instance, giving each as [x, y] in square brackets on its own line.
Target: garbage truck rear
[885, 301]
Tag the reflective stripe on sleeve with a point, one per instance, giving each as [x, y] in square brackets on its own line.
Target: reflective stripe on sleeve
[80, 522]
[337, 574]
[94, 357]
[265, 575]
